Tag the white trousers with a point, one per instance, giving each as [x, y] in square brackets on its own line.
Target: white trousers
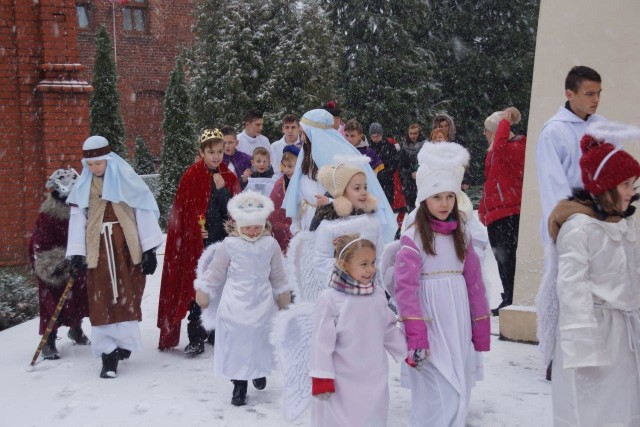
[106, 338]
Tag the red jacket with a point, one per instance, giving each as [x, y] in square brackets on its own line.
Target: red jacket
[503, 171]
[184, 247]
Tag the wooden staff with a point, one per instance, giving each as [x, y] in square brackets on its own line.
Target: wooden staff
[53, 319]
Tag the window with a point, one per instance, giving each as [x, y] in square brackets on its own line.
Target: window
[82, 10]
[134, 15]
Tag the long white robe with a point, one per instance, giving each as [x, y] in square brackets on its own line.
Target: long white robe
[306, 194]
[596, 365]
[253, 275]
[352, 334]
[557, 160]
[441, 388]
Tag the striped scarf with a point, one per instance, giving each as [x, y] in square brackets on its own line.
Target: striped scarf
[341, 281]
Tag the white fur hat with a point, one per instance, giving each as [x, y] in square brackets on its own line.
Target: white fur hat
[441, 169]
[250, 208]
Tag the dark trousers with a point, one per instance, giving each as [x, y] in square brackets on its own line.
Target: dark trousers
[503, 237]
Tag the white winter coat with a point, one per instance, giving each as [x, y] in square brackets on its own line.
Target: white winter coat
[557, 160]
[253, 275]
[367, 225]
[596, 366]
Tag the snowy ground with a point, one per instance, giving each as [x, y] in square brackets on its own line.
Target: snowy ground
[166, 389]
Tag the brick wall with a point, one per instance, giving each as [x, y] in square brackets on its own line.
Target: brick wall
[144, 60]
[44, 94]
[44, 115]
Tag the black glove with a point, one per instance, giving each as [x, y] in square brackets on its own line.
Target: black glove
[149, 262]
[77, 266]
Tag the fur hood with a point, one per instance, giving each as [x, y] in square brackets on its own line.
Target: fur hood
[452, 126]
[230, 228]
[55, 208]
[582, 202]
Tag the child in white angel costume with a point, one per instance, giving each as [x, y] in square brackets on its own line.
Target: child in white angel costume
[353, 329]
[240, 291]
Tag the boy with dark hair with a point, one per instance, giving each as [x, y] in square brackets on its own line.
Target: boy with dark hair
[355, 135]
[251, 137]
[237, 161]
[280, 224]
[558, 149]
[290, 136]
[197, 220]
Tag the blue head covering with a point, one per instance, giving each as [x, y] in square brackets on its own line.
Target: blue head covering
[326, 142]
[121, 182]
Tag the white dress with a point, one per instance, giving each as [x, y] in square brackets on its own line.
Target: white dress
[253, 275]
[441, 388]
[352, 334]
[596, 365]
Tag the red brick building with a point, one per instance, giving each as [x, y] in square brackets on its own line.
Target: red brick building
[45, 77]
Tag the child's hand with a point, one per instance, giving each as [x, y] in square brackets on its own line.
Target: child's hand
[205, 234]
[416, 358]
[322, 200]
[413, 175]
[202, 299]
[246, 175]
[284, 299]
[323, 396]
[218, 180]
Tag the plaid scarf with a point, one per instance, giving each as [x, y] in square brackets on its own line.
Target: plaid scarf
[341, 281]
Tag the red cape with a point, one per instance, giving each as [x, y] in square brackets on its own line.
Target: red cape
[184, 247]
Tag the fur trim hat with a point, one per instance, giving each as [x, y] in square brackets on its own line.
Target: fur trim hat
[441, 169]
[62, 181]
[491, 122]
[336, 177]
[250, 208]
[604, 163]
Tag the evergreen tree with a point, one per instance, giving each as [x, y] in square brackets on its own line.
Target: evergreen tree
[179, 148]
[274, 56]
[104, 116]
[143, 160]
[386, 76]
[482, 68]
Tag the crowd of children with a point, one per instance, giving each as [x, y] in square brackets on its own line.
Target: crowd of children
[236, 210]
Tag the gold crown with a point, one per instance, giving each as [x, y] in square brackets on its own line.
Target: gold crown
[208, 134]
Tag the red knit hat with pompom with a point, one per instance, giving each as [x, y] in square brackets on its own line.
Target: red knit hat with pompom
[616, 168]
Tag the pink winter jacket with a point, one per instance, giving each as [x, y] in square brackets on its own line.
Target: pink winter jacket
[407, 287]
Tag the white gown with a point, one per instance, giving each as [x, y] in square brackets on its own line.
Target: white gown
[352, 334]
[441, 388]
[253, 274]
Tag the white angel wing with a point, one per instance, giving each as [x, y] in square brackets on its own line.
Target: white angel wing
[387, 264]
[300, 258]
[210, 313]
[291, 337]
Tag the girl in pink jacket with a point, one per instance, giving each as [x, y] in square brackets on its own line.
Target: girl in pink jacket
[440, 293]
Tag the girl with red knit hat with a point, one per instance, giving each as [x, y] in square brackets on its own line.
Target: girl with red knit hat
[595, 342]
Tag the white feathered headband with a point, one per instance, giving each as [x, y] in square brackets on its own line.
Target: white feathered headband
[441, 168]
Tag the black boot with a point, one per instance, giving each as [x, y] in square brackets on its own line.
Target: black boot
[505, 302]
[123, 353]
[259, 383]
[77, 336]
[197, 334]
[549, 368]
[239, 397]
[49, 351]
[211, 338]
[109, 365]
